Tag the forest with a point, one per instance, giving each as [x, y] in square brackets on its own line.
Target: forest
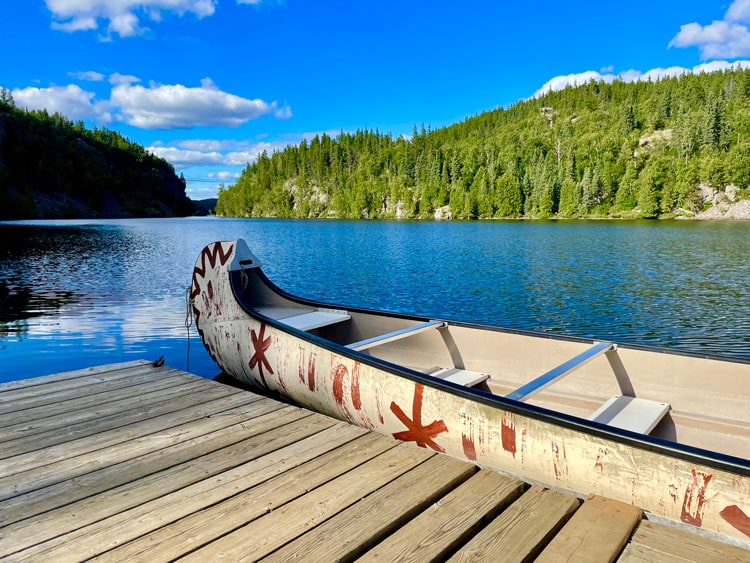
[53, 167]
[600, 150]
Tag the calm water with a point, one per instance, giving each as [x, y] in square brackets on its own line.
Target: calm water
[77, 294]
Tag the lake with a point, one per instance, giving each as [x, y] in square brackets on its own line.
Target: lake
[75, 294]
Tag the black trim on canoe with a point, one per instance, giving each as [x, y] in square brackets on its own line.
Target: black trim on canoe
[642, 441]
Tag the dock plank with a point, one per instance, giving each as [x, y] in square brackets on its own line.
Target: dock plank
[104, 472]
[40, 469]
[38, 386]
[94, 473]
[598, 531]
[268, 487]
[151, 531]
[656, 543]
[29, 532]
[66, 410]
[67, 391]
[296, 517]
[521, 532]
[352, 531]
[87, 436]
[437, 532]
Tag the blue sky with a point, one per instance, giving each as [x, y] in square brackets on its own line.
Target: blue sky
[209, 84]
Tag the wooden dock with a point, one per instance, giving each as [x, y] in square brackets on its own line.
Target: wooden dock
[131, 462]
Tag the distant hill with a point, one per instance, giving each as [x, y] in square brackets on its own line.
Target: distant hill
[642, 150]
[205, 206]
[51, 167]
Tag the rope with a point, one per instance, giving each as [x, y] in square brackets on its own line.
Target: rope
[188, 324]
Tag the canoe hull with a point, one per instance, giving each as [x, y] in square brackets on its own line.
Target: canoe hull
[465, 423]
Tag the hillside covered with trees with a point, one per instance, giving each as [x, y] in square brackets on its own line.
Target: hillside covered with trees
[641, 150]
[51, 167]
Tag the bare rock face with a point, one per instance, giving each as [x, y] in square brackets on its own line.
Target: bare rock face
[443, 213]
[723, 204]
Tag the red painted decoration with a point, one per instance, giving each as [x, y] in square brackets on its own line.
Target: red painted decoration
[508, 436]
[470, 450]
[737, 518]
[261, 345]
[417, 432]
[695, 499]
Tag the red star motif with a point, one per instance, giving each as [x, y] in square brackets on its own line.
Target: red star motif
[422, 435]
[261, 345]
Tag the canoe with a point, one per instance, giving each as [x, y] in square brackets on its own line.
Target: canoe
[663, 430]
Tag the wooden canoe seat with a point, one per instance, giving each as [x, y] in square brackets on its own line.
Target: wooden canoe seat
[631, 413]
[305, 319]
[460, 376]
[395, 335]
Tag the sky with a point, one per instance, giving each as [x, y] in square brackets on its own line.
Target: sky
[210, 84]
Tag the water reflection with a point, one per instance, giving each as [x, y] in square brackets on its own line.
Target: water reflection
[76, 294]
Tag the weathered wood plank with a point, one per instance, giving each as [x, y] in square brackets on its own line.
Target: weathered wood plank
[174, 405]
[523, 529]
[29, 532]
[171, 525]
[266, 487]
[637, 553]
[13, 408]
[598, 531]
[352, 531]
[304, 513]
[43, 386]
[70, 480]
[26, 468]
[655, 542]
[71, 409]
[450, 522]
[35, 384]
[207, 524]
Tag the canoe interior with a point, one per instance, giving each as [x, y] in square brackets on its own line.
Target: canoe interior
[708, 396]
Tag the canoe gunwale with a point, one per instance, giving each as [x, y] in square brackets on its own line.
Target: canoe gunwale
[653, 444]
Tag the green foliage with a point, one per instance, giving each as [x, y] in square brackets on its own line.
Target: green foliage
[50, 166]
[602, 149]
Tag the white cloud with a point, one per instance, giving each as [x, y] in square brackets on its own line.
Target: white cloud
[284, 112]
[71, 101]
[224, 175]
[561, 82]
[206, 144]
[122, 16]
[153, 107]
[180, 158]
[208, 152]
[118, 78]
[242, 158]
[177, 106]
[89, 75]
[721, 39]
[739, 11]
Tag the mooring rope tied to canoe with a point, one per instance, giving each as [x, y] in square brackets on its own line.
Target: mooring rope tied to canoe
[188, 324]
